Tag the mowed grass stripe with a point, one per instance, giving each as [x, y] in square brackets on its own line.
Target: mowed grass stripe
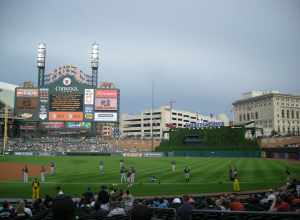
[208, 174]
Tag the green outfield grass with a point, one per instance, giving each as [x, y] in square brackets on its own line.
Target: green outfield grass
[75, 174]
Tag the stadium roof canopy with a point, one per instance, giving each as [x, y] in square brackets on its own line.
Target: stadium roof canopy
[7, 94]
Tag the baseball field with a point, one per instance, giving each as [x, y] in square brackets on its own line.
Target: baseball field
[75, 173]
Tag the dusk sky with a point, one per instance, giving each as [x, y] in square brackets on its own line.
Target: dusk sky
[202, 54]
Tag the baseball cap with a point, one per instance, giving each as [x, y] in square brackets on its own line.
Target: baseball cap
[176, 200]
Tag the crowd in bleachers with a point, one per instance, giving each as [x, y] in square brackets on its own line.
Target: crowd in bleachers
[57, 144]
[112, 203]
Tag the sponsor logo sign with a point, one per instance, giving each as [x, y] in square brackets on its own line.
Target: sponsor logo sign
[106, 99]
[106, 116]
[89, 116]
[27, 92]
[89, 96]
[53, 125]
[65, 116]
[43, 103]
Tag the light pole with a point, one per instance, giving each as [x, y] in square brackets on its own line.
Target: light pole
[171, 102]
[5, 129]
[152, 106]
[40, 61]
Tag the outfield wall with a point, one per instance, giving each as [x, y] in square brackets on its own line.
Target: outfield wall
[214, 153]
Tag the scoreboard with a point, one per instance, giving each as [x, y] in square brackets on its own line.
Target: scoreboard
[66, 102]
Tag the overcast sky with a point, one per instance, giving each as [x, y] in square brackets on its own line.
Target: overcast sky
[202, 54]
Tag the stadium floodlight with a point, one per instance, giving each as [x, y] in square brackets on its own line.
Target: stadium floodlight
[41, 55]
[94, 57]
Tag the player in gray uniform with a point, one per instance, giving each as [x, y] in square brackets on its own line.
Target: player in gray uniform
[173, 164]
[187, 174]
[43, 171]
[52, 168]
[101, 167]
[123, 174]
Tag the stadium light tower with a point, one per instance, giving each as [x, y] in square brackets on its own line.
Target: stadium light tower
[40, 61]
[94, 59]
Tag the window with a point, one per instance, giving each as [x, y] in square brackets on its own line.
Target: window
[282, 113]
[256, 115]
[287, 113]
[292, 114]
[240, 117]
[297, 114]
[244, 117]
[248, 116]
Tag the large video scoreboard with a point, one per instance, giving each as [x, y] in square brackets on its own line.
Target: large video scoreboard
[68, 100]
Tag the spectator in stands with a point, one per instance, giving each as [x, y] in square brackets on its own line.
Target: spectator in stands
[219, 205]
[63, 208]
[176, 203]
[59, 190]
[235, 204]
[116, 209]
[88, 196]
[184, 212]
[140, 212]
[6, 211]
[163, 203]
[128, 200]
[103, 198]
[20, 210]
[280, 205]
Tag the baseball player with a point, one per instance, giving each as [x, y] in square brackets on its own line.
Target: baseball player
[52, 168]
[101, 167]
[173, 164]
[25, 172]
[187, 174]
[43, 171]
[123, 174]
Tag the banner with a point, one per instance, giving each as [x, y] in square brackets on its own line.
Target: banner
[106, 116]
[89, 96]
[106, 99]
[65, 116]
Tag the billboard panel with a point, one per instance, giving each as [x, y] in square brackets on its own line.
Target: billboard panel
[106, 99]
[82, 125]
[43, 115]
[27, 103]
[89, 96]
[24, 92]
[106, 116]
[65, 116]
[53, 125]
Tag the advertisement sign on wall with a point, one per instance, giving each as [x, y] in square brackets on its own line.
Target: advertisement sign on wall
[84, 125]
[43, 103]
[53, 125]
[65, 116]
[106, 116]
[23, 92]
[89, 96]
[106, 99]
